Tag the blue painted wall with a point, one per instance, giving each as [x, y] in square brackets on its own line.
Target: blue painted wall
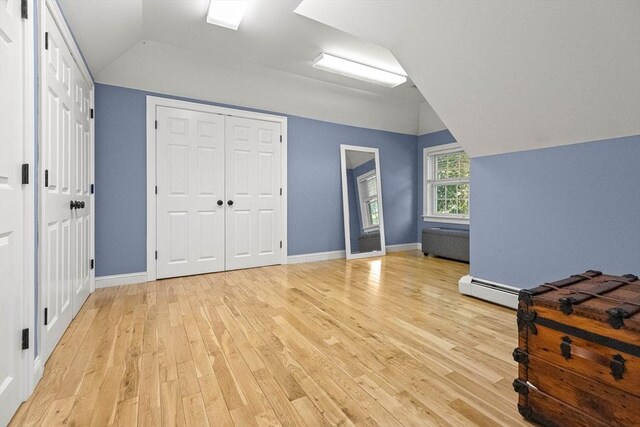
[424, 141]
[315, 191]
[545, 214]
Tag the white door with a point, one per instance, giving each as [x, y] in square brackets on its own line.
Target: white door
[81, 194]
[66, 150]
[253, 219]
[12, 283]
[190, 193]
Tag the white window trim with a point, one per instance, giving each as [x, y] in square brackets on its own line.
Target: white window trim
[427, 169]
[366, 227]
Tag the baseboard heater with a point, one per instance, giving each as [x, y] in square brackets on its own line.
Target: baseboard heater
[497, 293]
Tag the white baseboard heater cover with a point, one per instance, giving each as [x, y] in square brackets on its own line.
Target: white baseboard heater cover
[489, 291]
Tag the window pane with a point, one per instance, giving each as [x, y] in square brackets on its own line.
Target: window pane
[450, 206]
[372, 208]
[371, 186]
[441, 206]
[452, 191]
[441, 191]
[452, 165]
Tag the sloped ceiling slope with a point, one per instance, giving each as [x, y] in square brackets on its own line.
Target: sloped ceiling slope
[104, 29]
[167, 47]
[164, 68]
[508, 75]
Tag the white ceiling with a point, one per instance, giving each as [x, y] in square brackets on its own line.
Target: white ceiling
[271, 35]
[510, 75]
[357, 158]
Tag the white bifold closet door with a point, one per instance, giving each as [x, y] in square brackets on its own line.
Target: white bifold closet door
[253, 185]
[218, 192]
[65, 205]
[12, 208]
[190, 192]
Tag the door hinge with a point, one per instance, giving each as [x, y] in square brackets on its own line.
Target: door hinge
[46, 316]
[25, 173]
[46, 178]
[156, 254]
[92, 264]
[280, 138]
[280, 244]
[93, 189]
[46, 41]
[24, 9]
[25, 339]
[156, 124]
[91, 113]
[156, 189]
[281, 191]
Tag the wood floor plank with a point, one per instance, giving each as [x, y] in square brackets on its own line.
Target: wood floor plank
[381, 341]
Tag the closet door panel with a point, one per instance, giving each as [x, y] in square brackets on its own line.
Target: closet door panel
[190, 178]
[253, 170]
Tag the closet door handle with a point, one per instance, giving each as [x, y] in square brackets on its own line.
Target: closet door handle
[220, 202]
[80, 204]
[72, 205]
[230, 202]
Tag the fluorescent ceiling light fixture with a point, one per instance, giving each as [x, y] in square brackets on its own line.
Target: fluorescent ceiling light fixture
[226, 13]
[355, 70]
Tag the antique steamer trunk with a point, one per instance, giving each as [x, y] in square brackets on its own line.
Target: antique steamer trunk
[579, 351]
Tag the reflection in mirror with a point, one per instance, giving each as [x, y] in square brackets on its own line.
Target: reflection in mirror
[362, 202]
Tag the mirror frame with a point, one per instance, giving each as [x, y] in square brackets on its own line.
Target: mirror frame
[345, 201]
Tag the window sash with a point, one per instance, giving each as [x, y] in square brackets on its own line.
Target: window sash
[365, 198]
[431, 183]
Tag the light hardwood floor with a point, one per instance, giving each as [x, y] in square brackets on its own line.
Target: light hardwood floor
[384, 341]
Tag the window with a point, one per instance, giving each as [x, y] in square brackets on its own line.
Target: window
[368, 195]
[446, 184]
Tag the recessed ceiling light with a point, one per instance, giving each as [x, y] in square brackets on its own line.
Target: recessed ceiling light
[356, 70]
[226, 13]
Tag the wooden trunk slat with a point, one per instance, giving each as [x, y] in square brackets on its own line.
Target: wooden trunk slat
[598, 400]
[546, 345]
[593, 307]
[592, 325]
[550, 412]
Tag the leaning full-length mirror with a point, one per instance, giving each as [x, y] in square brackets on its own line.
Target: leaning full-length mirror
[362, 202]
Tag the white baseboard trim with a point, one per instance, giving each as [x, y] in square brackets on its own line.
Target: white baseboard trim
[317, 256]
[497, 293]
[404, 247]
[38, 371]
[325, 256]
[120, 279]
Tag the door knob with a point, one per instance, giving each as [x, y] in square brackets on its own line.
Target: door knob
[230, 202]
[81, 204]
[220, 202]
[72, 205]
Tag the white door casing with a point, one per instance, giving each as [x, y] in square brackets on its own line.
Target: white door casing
[13, 372]
[253, 193]
[190, 192]
[66, 169]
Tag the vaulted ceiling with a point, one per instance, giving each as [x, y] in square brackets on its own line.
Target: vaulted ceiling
[502, 75]
[510, 75]
[271, 35]
[167, 46]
